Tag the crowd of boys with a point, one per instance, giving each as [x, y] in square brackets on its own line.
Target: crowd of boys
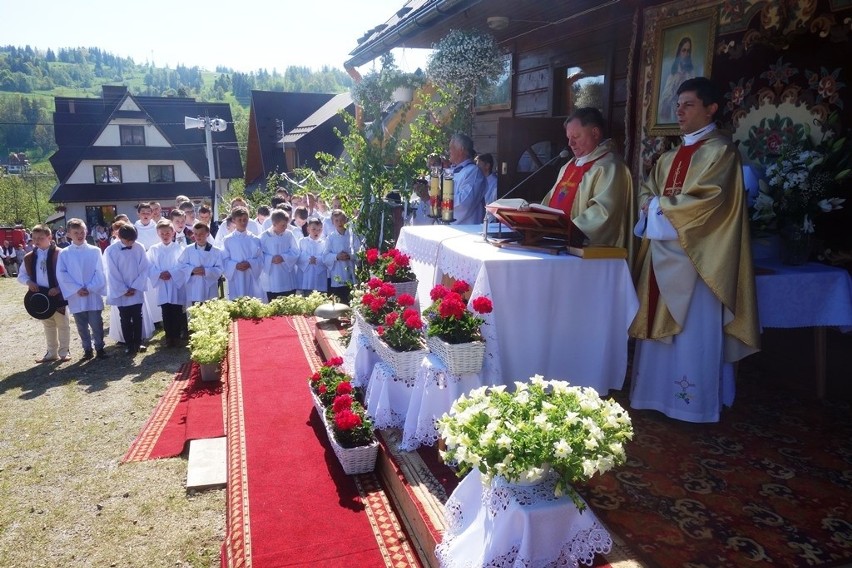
[156, 267]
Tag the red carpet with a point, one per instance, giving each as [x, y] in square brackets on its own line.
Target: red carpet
[289, 502]
[190, 409]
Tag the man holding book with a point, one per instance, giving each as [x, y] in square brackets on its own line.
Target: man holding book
[595, 188]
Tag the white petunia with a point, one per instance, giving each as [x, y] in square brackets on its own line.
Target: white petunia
[562, 449]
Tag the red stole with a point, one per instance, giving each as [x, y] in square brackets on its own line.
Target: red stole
[673, 187]
[566, 190]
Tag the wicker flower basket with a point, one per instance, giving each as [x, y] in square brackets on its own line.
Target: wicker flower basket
[409, 288]
[361, 459]
[317, 403]
[459, 358]
[404, 363]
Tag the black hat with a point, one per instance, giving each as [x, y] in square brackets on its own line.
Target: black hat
[39, 305]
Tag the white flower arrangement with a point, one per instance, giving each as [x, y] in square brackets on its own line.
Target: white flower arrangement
[209, 322]
[464, 60]
[542, 424]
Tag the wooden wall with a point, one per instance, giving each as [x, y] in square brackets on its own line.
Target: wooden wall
[601, 35]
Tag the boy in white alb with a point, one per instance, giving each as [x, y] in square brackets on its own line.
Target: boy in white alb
[280, 254]
[80, 272]
[146, 227]
[337, 257]
[164, 274]
[201, 265]
[313, 274]
[242, 258]
[127, 280]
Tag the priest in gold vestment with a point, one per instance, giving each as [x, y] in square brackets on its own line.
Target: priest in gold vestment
[698, 308]
[595, 188]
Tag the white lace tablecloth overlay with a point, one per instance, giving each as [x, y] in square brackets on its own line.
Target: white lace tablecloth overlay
[359, 357]
[387, 397]
[558, 316]
[510, 526]
[435, 390]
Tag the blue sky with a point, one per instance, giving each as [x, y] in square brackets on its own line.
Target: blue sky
[263, 34]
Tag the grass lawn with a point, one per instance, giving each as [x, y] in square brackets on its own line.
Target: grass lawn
[64, 498]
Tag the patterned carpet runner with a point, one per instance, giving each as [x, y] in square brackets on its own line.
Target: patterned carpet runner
[190, 409]
[770, 485]
[289, 502]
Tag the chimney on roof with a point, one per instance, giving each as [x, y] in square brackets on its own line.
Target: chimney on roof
[113, 93]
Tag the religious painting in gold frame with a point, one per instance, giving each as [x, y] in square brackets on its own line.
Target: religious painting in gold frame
[684, 49]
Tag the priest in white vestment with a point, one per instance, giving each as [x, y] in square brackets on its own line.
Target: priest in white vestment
[698, 308]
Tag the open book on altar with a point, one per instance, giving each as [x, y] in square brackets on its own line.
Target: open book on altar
[536, 222]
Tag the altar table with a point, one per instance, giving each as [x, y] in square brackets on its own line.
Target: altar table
[554, 315]
[812, 295]
[510, 525]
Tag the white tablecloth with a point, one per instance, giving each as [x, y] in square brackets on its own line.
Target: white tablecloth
[387, 397]
[558, 316]
[435, 390]
[517, 527]
[811, 295]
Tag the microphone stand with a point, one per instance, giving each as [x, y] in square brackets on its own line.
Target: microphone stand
[561, 155]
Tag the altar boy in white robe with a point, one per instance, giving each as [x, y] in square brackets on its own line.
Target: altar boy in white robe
[201, 267]
[242, 258]
[280, 254]
[127, 280]
[337, 257]
[166, 282]
[80, 273]
[313, 274]
[146, 229]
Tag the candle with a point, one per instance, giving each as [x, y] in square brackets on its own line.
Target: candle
[447, 196]
[435, 192]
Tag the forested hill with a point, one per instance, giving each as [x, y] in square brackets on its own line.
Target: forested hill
[31, 77]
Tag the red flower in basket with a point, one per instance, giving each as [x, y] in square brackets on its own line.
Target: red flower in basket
[315, 377]
[483, 305]
[346, 420]
[449, 318]
[405, 300]
[344, 388]
[335, 362]
[374, 283]
[341, 402]
[372, 256]
[391, 318]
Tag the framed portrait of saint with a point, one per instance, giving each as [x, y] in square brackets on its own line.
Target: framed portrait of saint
[684, 49]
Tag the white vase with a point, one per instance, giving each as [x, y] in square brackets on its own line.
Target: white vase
[211, 372]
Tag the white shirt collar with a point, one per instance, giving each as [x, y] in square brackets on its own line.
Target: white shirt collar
[582, 160]
[693, 137]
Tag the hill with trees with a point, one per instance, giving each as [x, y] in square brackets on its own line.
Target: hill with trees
[31, 77]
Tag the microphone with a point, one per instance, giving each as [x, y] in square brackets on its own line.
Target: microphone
[561, 155]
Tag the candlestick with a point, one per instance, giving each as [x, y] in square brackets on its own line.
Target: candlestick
[435, 192]
[447, 195]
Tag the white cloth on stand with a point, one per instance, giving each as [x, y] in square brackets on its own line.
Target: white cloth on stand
[514, 526]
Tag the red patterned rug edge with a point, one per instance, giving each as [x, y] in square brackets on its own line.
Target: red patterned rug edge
[141, 447]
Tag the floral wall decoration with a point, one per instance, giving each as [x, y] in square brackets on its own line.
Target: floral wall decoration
[782, 66]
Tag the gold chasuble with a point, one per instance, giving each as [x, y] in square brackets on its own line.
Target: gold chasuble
[602, 203]
[701, 194]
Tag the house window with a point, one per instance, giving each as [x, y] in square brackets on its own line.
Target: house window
[161, 174]
[132, 135]
[581, 86]
[107, 174]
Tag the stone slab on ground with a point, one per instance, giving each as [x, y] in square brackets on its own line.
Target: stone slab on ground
[207, 466]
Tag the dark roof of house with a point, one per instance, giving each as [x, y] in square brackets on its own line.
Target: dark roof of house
[71, 192]
[322, 115]
[79, 121]
[273, 114]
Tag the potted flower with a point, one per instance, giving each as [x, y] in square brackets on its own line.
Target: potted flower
[800, 185]
[350, 432]
[209, 325]
[329, 382]
[377, 301]
[394, 267]
[542, 427]
[400, 338]
[453, 331]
